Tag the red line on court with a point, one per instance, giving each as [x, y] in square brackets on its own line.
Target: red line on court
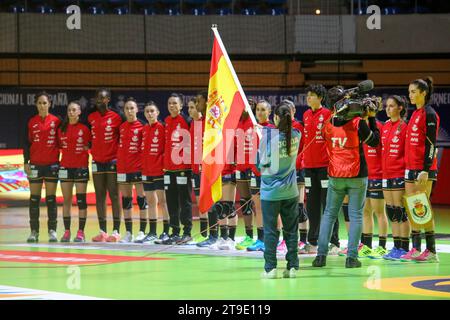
[67, 258]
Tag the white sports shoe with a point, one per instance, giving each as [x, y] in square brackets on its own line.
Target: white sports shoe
[140, 237]
[219, 243]
[226, 244]
[291, 273]
[128, 238]
[272, 274]
[333, 250]
[52, 236]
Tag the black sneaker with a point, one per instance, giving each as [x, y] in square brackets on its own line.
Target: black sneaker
[185, 239]
[320, 261]
[174, 239]
[162, 237]
[352, 263]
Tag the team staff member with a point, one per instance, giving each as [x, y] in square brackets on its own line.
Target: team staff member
[315, 160]
[196, 130]
[277, 155]
[153, 141]
[41, 157]
[129, 167]
[74, 139]
[245, 151]
[105, 125]
[421, 160]
[348, 175]
[178, 173]
[393, 164]
[374, 204]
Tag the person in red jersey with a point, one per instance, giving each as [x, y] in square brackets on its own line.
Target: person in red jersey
[315, 160]
[197, 128]
[104, 124]
[129, 168]
[393, 137]
[153, 141]
[303, 217]
[374, 203]
[262, 114]
[177, 171]
[41, 163]
[421, 159]
[74, 140]
[245, 150]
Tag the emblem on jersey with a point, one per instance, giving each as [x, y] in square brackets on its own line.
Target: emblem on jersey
[80, 140]
[52, 132]
[134, 139]
[155, 140]
[136, 131]
[52, 124]
[176, 134]
[395, 139]
[217, 108]
[108, 128]
[109, 121]
[80, 133]
[321, 118]
[156, 132]
[414, 128]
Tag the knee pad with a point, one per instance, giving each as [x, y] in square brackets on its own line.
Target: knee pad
[246, 207]
[34, 201]
[224, 209]
[391, 213]
[345, 210]
[228, 208]
[127, 203]
[218, 208]
[402, 214]
[142, 203]
[81, 201]
[50, 200]
[302, 216]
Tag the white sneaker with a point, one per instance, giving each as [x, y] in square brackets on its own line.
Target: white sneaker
[272, 274]
[227, 245]
[291, 273]
[140, 237]
[219, 243]
[52, 236]
[128, 238]
[333, 250]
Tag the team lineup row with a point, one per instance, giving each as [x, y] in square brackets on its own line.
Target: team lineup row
[126, 152]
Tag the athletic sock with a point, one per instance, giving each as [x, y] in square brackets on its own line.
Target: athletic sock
[397, 242]
[431, 241]
[367, 239]
[405, 244]
[249, 231]
[260, 232]
[153, 224]
[204, 227]
[303, 235]
[67, 221]
[416, 240]
[232, 232]
[116, 224]
[382, 241]
[102, 223]
[166, 226]
[81, 223]
[128, 225]
[224, 232]
[142, 224]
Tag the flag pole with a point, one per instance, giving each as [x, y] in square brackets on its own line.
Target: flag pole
[236, 80]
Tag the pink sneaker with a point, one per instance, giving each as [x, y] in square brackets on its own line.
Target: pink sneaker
[301, 245]
[411, 255]
[344, 252]
[282, 247]
[66, 236]
[427, 256]
[101, 237]
[80, 236]
[114, 237]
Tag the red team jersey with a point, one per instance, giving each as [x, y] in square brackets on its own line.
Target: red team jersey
[74, 144]
[105, 135]
[373, 158]
[299, 126]
[315, 155]
[175, 131]
[393, 136]
[129, 158]
[42, 137]
[246, 149]
[417, 147]
[197, 144]
[153, 140]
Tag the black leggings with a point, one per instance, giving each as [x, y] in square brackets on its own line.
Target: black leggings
[106, 182]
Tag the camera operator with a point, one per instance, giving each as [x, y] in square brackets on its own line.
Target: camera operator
[347, 171]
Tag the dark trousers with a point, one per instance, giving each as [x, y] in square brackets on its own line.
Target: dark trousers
[316, 199]
[179, 200]
[288, 210]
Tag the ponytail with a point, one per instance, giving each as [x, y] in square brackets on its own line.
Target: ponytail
[283, 111]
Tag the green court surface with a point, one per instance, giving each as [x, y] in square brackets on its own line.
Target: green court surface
[96, 271]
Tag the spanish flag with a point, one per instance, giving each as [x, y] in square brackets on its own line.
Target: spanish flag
[226, 102]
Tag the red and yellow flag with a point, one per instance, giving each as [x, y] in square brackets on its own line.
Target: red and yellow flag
[226, 102]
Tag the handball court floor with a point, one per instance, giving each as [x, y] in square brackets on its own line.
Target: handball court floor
[136, 271]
